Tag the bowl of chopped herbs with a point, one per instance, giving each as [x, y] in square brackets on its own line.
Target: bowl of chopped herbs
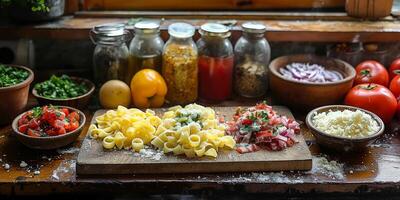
[65, 91]
[14, 91]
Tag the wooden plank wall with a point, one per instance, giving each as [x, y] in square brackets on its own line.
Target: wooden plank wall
[209, 4]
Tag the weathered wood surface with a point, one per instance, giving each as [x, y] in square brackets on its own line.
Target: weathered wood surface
[93, 159]
[375, 171]
[277, 30]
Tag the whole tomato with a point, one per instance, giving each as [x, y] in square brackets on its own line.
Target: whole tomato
[394, 86]
[394, 68]
[371, 72]
[375, 98]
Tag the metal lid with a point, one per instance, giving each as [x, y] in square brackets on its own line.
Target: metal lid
[147, 26]
[214, 29]
[253, 27]
[181, 30]
[110, 30]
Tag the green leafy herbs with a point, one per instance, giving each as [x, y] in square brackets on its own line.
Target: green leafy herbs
[60, 88]
[12, 75]
[37, 112]
[34, 5]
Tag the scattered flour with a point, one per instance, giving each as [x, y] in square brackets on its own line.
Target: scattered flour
[23, 164]
[64, 170]
[7, 166]
[332, 169]
[71, 150]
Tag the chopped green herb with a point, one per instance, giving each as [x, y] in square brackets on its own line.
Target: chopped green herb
[60, 88]
[37, 111]
[12, 75]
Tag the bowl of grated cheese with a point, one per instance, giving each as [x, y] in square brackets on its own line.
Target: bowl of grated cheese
[344, 128]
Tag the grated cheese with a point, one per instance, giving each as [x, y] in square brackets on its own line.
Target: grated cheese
[346, 123]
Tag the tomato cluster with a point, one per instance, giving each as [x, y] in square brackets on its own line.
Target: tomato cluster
[376, 89]
[48, 121]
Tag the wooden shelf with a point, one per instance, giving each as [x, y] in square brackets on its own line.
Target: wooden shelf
[77, 28]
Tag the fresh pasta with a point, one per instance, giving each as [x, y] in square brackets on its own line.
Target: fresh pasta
[193, 131]
[125, 128]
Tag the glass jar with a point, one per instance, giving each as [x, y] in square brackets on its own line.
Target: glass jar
[179, 67]
[111, 54]
[145, 48]
[215, 62]
[252, 56]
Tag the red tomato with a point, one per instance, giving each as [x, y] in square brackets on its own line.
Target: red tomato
[33, 133]
[375, 98]
[395, 86]
[74, 115]
[394, 68]
[73, 126]
[247, 122]
[34, 124]
[371, 72]
[61, 131]
[65, 111]
[23, 128]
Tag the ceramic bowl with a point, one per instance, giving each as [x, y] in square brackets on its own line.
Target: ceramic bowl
[304, 96]
[342, 144]
[79, 102]
[13, 99]
[49, 142]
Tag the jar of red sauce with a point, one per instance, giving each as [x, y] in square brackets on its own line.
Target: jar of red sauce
[215, 63]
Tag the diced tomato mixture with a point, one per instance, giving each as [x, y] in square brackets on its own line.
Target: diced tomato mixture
[260, 127]
[48, 121]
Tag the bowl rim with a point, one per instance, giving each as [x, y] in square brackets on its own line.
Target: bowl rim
[81, 125]
[22, 84]
[344, 80]
[89, 92]
[311, 126]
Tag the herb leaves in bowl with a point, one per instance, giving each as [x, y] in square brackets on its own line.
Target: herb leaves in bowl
[62, 87]
[10, 76]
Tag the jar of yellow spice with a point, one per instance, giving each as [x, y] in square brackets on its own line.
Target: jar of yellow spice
[180, 64]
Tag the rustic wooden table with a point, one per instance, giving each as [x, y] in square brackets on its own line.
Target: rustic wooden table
[376, 170]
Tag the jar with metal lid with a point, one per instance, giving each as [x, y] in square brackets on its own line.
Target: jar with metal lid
[111, 54]
[252, 56]
[179, 67]
[215, 62]
[145, 48]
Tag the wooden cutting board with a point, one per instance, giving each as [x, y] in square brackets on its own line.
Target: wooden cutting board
[93, 159]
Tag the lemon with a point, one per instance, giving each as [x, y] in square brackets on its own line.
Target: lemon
[114, 93]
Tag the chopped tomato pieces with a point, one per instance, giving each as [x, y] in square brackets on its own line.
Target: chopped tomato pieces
[48, 121]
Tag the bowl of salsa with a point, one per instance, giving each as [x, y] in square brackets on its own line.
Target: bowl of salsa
[48, 127]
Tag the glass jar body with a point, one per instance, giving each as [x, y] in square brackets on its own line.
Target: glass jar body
[110, 61]
[215, 68]
[252, 56]
[180, 70]
[145, 53]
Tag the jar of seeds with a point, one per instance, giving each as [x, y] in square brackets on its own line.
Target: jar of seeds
[180, 64]
[111, 54]
[252, 56]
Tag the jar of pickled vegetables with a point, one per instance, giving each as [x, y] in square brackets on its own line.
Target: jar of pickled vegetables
[179, 67]
[111, 54]
[145, 48]
[215, 62]
[252, 55]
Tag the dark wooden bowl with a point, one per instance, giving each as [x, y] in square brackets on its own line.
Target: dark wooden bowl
[342, 144]
[79, 102]
[50, 142]
[304, 96]
[13, 99]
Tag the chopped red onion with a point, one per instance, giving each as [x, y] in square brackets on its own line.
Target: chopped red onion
[306, 72]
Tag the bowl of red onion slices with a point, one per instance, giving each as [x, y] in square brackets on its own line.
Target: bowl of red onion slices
[304, 82]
